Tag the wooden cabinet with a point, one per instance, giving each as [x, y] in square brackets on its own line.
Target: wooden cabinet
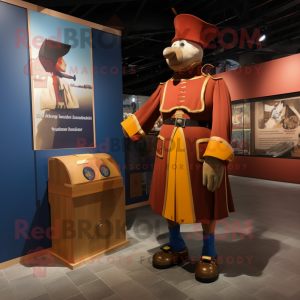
[87, 200]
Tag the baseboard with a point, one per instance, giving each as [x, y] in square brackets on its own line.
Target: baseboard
[30, 256]
[131, 206]
[19, 260]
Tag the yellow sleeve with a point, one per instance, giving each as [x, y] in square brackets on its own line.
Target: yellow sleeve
[219, 148]
[132, 126]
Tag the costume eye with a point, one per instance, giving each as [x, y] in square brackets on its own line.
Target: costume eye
[182, 44]
[174, 45]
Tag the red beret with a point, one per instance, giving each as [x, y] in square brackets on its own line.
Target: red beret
[191, 28]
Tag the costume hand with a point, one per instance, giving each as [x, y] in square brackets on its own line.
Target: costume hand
[125, 133]
[212, 173]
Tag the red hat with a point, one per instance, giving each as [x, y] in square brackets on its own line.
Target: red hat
[191, 28]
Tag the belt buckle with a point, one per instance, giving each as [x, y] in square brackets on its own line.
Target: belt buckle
[180, 122]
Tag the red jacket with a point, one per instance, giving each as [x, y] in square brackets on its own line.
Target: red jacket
[180, 195]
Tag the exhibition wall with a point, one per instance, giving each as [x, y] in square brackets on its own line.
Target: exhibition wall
[277, 77]
[24, 176]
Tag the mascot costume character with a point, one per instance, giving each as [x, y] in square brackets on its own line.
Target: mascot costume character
[190, 181]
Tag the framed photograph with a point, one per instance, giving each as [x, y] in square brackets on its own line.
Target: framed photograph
[268, 126]
[61, 69]
[277, 126]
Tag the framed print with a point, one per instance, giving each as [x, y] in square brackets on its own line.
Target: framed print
[62, 92]
[277, 126]
[268, 126]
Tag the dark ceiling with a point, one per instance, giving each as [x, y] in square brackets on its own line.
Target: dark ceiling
[148, 29]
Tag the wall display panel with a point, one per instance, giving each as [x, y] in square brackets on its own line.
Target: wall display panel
[241, 128]
[18, 202]
[26, 208]
[277, 126]
[267, 127]
[61, 68]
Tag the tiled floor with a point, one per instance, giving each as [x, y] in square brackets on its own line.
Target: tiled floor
[259, 245]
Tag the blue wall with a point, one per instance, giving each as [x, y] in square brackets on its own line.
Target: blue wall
[24, 172]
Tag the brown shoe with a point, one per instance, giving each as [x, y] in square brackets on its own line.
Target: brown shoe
[168, 258]
[207, 270]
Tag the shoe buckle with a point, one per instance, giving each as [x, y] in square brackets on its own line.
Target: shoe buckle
[206, 258]
[165, 248]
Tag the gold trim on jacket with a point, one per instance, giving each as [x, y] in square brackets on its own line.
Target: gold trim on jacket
[202, 96]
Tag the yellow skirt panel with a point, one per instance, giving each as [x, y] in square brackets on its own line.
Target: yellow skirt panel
[179, 205]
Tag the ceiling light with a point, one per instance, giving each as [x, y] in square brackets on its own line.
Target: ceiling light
[263, 35]
[262, 38]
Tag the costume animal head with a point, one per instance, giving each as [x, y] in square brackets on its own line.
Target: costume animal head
[192, 35]
[182, 54]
